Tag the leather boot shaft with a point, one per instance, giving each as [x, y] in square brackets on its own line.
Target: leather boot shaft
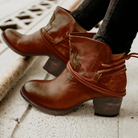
[60, 25]
[94, 61]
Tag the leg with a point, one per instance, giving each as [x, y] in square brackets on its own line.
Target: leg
[119, 26]
[90, 12]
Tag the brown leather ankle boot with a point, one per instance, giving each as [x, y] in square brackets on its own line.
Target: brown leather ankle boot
[93, 72]
[49, 40]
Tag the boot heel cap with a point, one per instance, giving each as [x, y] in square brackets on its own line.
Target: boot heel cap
[106, 115]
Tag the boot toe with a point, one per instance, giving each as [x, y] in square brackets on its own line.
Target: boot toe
[34, 91]
[30, 92]
[10, 35]
[32, 88]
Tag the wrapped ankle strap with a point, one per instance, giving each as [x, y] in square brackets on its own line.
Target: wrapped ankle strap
[87, 82]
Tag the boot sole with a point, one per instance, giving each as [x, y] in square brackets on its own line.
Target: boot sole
[103, 106]
[53, 66]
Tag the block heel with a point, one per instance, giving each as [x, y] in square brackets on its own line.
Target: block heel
[107, 106]
[54, 66]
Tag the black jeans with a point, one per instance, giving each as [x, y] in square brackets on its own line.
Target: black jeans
[120, 24]
[90, 12]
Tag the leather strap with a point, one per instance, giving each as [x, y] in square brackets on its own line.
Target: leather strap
[87, 81]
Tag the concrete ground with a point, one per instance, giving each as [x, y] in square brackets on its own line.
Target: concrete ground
[20, 120]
